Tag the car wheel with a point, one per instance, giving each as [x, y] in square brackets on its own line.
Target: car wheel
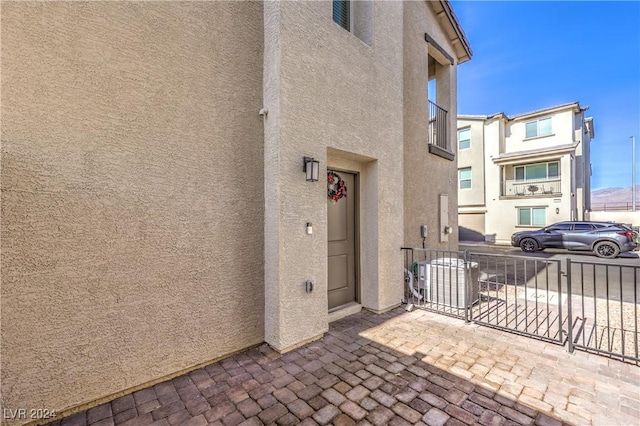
[606, 249]
[528, 245]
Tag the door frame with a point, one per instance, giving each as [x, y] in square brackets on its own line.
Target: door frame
[356, 237]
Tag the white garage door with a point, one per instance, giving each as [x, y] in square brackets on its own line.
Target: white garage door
[471, 226]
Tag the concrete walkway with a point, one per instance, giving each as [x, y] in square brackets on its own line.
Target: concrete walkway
[398, 368]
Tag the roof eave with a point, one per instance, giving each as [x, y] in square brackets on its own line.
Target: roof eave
[455, 32]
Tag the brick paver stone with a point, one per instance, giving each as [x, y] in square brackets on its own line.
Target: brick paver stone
[104, 422]
[300, 409]
[435, 417]
[253, 421]
[178, 417]
[139, 421]
[248, 408]
[149, 406]
[196, 421]
[123, 403]
[460, 414]
[125, 415]
[353, 410]
[380, 416]
[284, 395]
[98, 413]
[516, 416]
[272, 413]
[406, 412]
[326, 414]
[317, 402]
[368, 404]
[343, 420]
[490, 418]
[144, 395]
[218, 411]
[333, 396]
[357, 393]
[287, 420]
[233, 419]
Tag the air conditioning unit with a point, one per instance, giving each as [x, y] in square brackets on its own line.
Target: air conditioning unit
[445, 279]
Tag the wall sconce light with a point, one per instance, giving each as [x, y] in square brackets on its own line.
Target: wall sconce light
[312, 168]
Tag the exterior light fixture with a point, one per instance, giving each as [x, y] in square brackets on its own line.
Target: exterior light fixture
[312, 168]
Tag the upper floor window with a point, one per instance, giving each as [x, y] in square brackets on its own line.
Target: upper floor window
[548, 170]
[342, 13]
[464, 177]
[532, 216]
[355, 17]
[538, 128]
[464, 138]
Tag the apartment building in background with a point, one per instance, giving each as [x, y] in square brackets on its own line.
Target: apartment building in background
[523, 171]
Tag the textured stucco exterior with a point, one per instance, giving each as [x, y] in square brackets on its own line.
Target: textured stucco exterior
[332, 93]
[426, 175]
[153, 221]
[628, 217]
[501, 141]
[132, 194]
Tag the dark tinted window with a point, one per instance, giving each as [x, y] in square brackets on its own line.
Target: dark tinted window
[341, 9]
[582, 227]
[560, 227]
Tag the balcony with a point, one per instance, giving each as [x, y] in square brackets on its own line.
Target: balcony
[531, 187]
[438, 132]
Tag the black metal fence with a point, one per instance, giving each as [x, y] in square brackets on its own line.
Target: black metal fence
[586, 305]
[438, 126]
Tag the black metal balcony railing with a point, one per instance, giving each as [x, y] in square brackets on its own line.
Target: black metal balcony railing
[438, 127]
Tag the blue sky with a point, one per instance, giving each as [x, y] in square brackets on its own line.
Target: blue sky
[532, 55]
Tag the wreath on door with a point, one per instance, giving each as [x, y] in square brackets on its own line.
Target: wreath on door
[336, 187]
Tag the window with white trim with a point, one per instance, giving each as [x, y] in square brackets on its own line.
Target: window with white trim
[532, 216]
[549, 170]
[464, 178]
[537, 128]
[464, 138]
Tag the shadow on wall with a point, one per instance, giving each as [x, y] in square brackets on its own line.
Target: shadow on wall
[467, 234]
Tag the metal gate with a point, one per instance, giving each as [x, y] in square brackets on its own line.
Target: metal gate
[590, 306]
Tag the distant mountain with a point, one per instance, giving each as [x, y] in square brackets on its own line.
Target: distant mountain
[613, 197]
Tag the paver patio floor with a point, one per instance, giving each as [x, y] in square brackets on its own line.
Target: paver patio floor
[397, 368]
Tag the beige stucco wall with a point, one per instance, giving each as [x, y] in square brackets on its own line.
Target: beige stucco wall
[426, 175]
[472, 157]
[562, 132]
[335, 98]
[132, 193]
[629, 217]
